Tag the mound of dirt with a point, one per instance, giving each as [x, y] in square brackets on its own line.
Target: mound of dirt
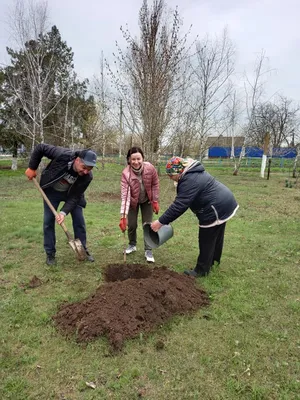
[133, 299]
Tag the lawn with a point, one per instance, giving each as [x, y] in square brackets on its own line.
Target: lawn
[245, 345]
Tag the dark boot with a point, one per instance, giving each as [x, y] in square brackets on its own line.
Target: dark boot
[195, 274]
[89, 256]
[50, 260]
[190, 272]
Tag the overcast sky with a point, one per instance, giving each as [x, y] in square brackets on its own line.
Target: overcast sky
[92, 26]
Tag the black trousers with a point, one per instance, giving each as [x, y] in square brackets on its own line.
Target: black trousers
[210, 246]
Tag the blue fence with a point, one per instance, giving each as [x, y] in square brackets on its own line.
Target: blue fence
[225, 152]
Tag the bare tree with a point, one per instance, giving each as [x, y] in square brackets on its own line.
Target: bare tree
[181, 132]
[295, 142]
[295, 164]
[106, 111]
[279, 118]
[254, 90]
[30, 80]
[212, 69]
[234, 113]
[146, 74]
[27, 20]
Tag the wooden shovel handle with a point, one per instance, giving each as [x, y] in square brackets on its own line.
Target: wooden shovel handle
[124, 247]
[50, 206]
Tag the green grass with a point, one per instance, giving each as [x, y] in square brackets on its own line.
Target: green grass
[244, 346]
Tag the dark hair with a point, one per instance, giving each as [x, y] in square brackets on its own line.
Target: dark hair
[134, 150]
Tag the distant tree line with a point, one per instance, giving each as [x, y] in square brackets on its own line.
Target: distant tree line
[164, 91]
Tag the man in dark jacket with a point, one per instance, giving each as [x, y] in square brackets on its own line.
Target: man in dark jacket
[211, 201]
[65, 179]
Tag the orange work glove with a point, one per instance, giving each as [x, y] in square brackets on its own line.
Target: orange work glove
[30, 173]
[155, 207]
[123, 224]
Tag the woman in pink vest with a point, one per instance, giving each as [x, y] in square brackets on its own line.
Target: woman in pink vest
[139, 190]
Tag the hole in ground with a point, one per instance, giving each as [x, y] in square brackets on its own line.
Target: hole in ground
[121, 272]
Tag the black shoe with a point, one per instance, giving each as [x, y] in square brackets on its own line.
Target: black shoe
[89, 257]
[191, 272]
[195, 274]
[50, 260]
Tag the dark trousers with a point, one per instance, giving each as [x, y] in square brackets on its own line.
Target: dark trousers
[210, 246]
[79, 229]
[147, 214]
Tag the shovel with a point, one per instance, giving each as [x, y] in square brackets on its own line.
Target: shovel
[76, 244]
[124, 248]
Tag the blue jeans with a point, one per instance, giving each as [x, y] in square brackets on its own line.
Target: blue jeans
[79, 229]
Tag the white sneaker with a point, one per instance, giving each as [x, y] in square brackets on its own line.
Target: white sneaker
[149, 256]
[130, 249]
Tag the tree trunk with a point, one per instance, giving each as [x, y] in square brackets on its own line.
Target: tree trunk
[296, 162]
[238, 165]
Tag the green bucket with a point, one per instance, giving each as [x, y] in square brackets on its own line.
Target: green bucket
[156, 239]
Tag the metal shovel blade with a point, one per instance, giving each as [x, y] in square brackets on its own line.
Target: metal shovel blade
[78, 248]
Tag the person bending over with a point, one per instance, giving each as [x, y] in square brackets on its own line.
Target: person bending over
[212, 203]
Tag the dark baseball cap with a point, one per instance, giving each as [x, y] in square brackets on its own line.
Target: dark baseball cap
[88, 157]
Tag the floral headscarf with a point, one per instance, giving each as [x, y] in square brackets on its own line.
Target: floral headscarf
[175, 166]
[178, 165]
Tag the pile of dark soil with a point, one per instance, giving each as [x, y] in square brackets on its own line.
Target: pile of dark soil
[133, 299]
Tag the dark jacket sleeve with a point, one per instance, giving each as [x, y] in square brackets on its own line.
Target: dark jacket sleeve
[44, 150]
[187, 190]
[76, 194]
